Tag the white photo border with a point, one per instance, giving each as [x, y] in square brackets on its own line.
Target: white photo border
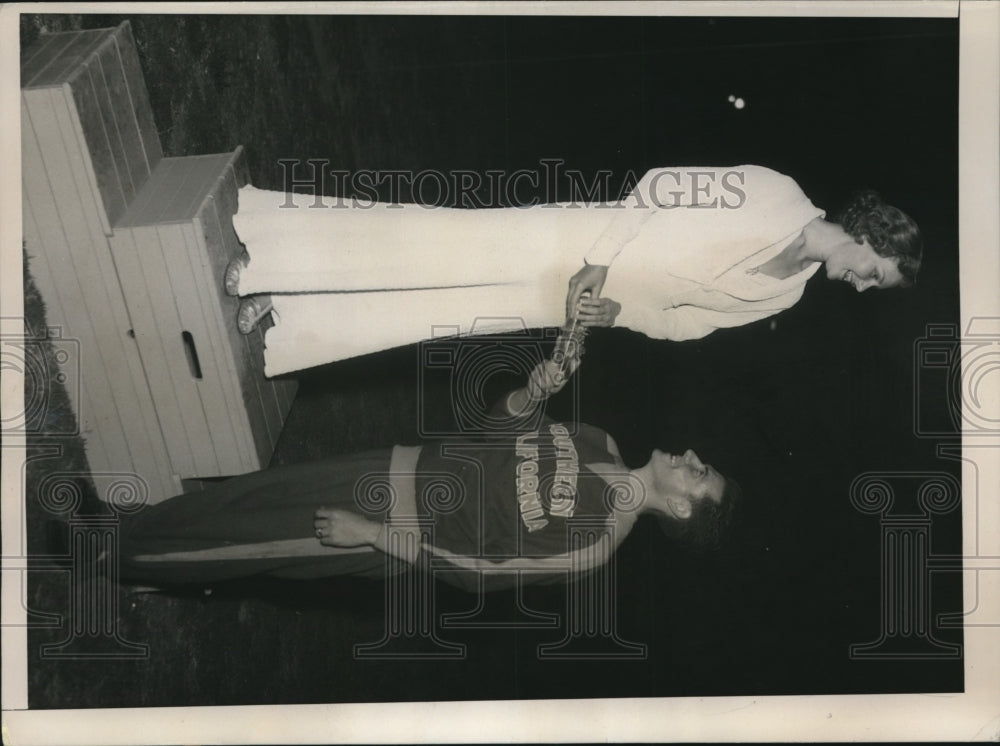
[973, 715]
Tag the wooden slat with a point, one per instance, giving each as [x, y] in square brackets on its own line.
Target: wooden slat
[104, 97]
[99, 144]
[79, 395]
[148, 202]
[278, 394]
[189, 189]
[76, 54]
[34, 199]
[206, 172]
[107, 311]
[266, 439]
[224, 205]
[250, 380]
[197, 318]
[136, 84]
[175, 191]
[39, 53]
[46, 189]
[193, 485]
[222, 360]
[241, 171]
[166, 336]
[133, 155]
[284, 389]
[55, 314]
[97, 206]
[149, 337]
[52, 55]
[146, 417]
[238, 177]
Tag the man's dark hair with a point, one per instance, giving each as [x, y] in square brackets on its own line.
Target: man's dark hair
[709, 524]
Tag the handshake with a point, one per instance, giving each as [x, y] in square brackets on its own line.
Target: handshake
[550, 376]
[569, 345]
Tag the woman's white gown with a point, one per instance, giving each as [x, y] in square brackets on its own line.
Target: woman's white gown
[348, 278]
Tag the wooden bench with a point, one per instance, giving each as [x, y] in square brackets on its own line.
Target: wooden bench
[127, 249]
[219, 414]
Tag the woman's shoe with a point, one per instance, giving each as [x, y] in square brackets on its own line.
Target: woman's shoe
[252, 310]
[231, 279]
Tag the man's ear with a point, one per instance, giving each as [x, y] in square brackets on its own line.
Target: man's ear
[680, 507]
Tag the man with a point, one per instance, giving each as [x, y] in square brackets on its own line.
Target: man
[530, 497]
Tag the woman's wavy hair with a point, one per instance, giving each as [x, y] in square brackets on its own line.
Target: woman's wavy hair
[890, 231]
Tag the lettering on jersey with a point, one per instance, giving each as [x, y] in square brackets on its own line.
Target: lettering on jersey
[562, 490]
[527, 483]
[562, 494]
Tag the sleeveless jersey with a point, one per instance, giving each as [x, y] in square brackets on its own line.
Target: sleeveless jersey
[515, 496]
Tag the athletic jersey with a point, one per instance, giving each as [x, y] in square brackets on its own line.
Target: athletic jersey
[516, 495]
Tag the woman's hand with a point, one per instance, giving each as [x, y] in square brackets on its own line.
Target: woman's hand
[342, 528]
[599, 312]
[591, 278]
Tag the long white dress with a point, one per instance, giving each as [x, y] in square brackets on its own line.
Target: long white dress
[352, 278]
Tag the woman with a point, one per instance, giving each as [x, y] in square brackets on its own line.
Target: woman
[490, 508]
[689, 251]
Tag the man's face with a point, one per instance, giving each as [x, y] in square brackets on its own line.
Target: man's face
[686, 477]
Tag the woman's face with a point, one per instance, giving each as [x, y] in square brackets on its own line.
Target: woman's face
[859, 265]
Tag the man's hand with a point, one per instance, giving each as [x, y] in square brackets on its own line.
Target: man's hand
[591, 278]
[600, 312]
[342, 528]
[547, 379]
[544, 381]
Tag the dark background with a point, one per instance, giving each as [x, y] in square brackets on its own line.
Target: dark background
[795, 407]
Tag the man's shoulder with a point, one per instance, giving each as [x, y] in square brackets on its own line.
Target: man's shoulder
[593, 436]
[583, 427]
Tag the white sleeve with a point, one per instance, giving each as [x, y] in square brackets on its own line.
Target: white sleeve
[633, 212]
[659, 188]
[685, 322]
